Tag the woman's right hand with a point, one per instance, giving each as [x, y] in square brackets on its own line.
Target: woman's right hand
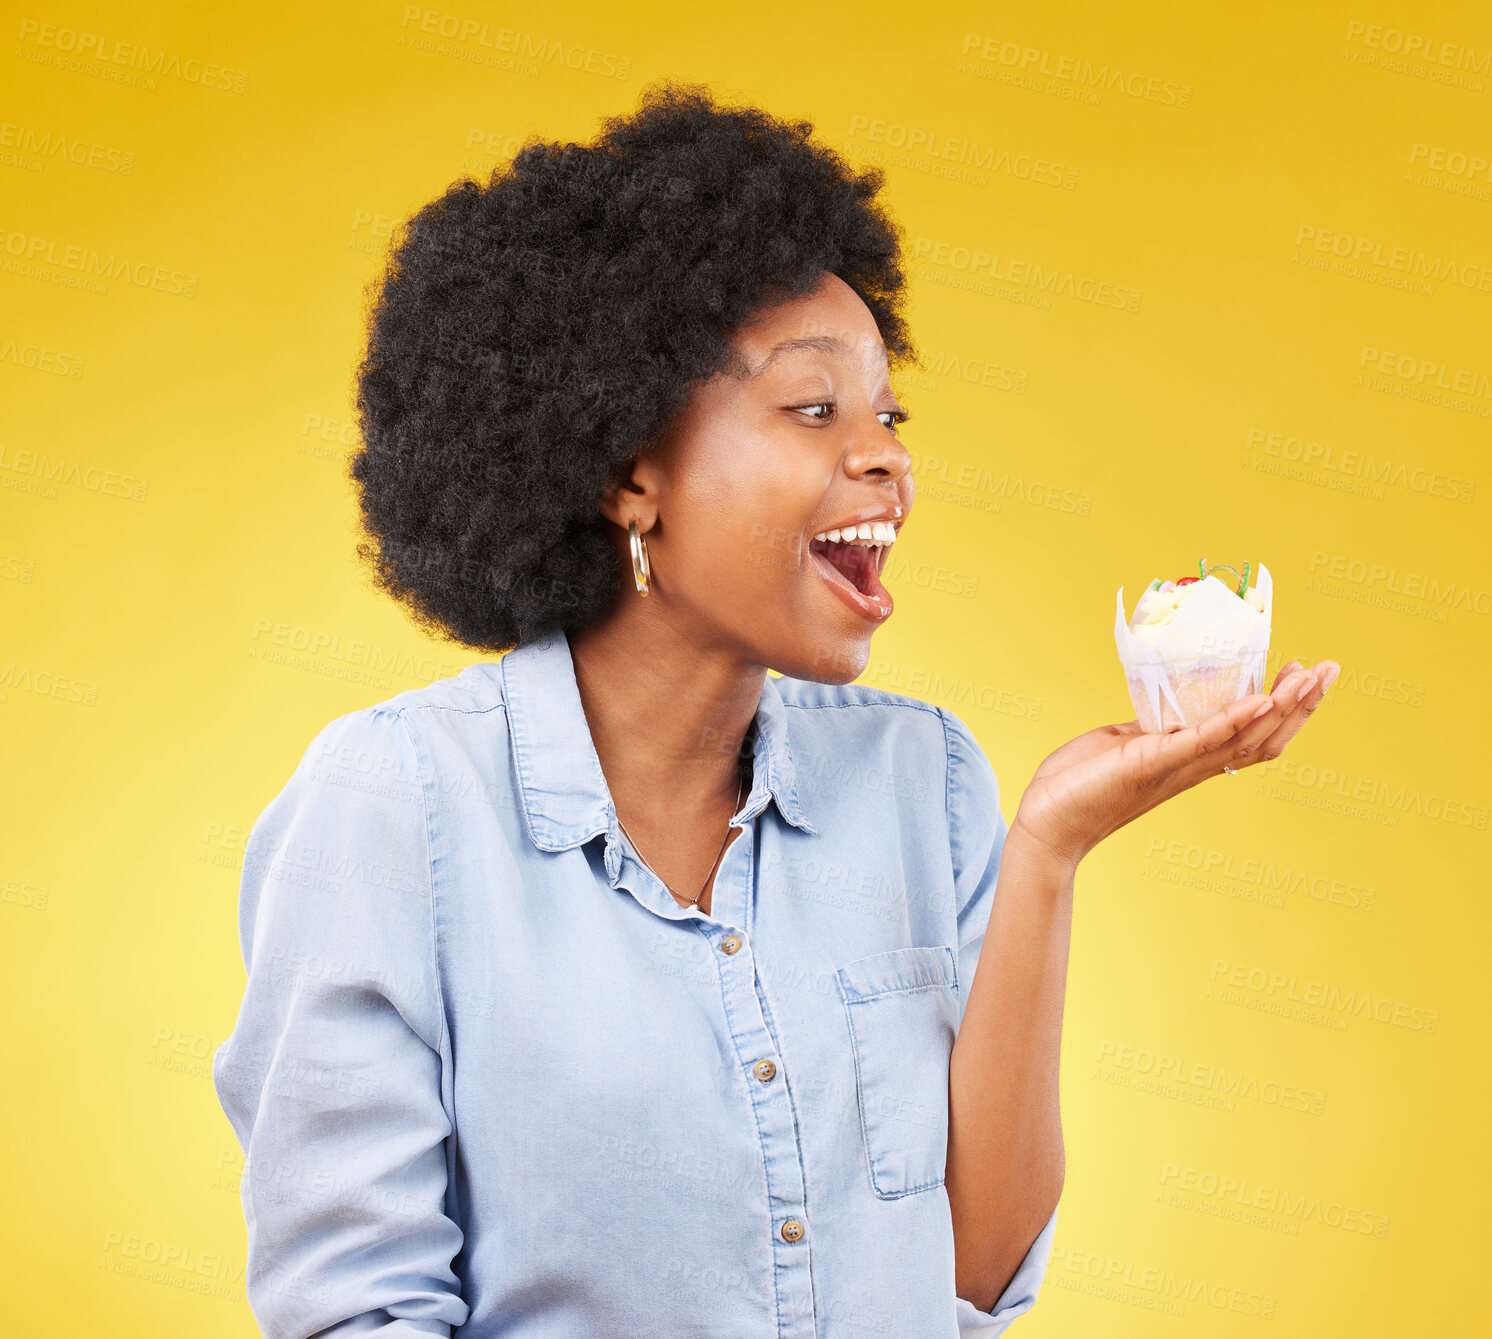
[1106, 778]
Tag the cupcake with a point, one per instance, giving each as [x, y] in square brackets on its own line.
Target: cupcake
[1194, 645]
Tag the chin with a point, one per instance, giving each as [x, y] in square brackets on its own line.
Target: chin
[836, 662]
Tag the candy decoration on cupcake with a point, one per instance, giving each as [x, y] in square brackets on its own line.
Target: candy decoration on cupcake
[1206, 571]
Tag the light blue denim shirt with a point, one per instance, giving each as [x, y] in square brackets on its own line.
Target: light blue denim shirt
[491, 1078]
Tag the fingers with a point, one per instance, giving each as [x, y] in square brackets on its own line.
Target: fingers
[1283, 702]
[1178, 748]
[1253, 729]
[1295, 697]
[1286, 726]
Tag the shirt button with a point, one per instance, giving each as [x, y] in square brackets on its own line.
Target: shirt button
[766, 1071]
[792, 1230]
[730, 944]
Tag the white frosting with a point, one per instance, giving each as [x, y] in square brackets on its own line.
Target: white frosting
[1202, 618]
[1202, 624]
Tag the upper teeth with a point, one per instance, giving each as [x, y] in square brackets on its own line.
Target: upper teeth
[867, 532]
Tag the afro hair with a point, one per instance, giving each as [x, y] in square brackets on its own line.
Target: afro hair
[530, 336]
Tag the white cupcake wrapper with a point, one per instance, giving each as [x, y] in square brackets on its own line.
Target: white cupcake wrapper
[1213, 653]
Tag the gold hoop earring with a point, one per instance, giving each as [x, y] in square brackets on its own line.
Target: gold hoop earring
[642, 574]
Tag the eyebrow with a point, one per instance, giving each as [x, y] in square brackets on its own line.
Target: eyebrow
[816, 343]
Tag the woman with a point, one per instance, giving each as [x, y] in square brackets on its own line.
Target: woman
[613, 986]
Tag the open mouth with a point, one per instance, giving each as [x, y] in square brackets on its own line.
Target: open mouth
[859, 563]
[853, 569]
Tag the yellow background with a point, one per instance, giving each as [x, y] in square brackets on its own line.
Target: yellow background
[182, 609]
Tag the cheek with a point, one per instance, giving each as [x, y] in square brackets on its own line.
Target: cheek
[748, 509]
[776, 531]
[773, 534]
[764, 547]
[733, 542]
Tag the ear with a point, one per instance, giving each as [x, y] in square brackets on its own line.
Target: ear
[631, 494]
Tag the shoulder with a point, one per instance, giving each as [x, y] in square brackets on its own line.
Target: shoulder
[854, 729]
[400, 735]
[866, 714]
[895, 731]
[855, 698]
[475, 690]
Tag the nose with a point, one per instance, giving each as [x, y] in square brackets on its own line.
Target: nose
[877, 452]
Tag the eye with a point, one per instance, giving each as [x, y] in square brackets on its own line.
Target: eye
[895, 415]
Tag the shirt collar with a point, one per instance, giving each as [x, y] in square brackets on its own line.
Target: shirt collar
[563, 790]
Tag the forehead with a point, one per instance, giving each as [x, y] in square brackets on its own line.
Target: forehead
[832, 322]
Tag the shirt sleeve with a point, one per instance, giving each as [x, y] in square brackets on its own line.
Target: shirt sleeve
[1019, 1295]
[977, 831]
[332, 1077]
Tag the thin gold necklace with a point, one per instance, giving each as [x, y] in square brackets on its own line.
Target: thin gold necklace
[694, 901]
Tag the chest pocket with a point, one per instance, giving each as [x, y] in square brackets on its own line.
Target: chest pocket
[902, 1011]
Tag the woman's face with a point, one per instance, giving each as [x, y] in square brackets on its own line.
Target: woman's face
[759, 465]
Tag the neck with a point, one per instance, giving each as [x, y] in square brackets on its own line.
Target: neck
[667, 716]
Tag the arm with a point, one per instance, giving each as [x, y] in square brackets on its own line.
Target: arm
[1006, 1163]
[1005, 1158]
[332, 1077]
